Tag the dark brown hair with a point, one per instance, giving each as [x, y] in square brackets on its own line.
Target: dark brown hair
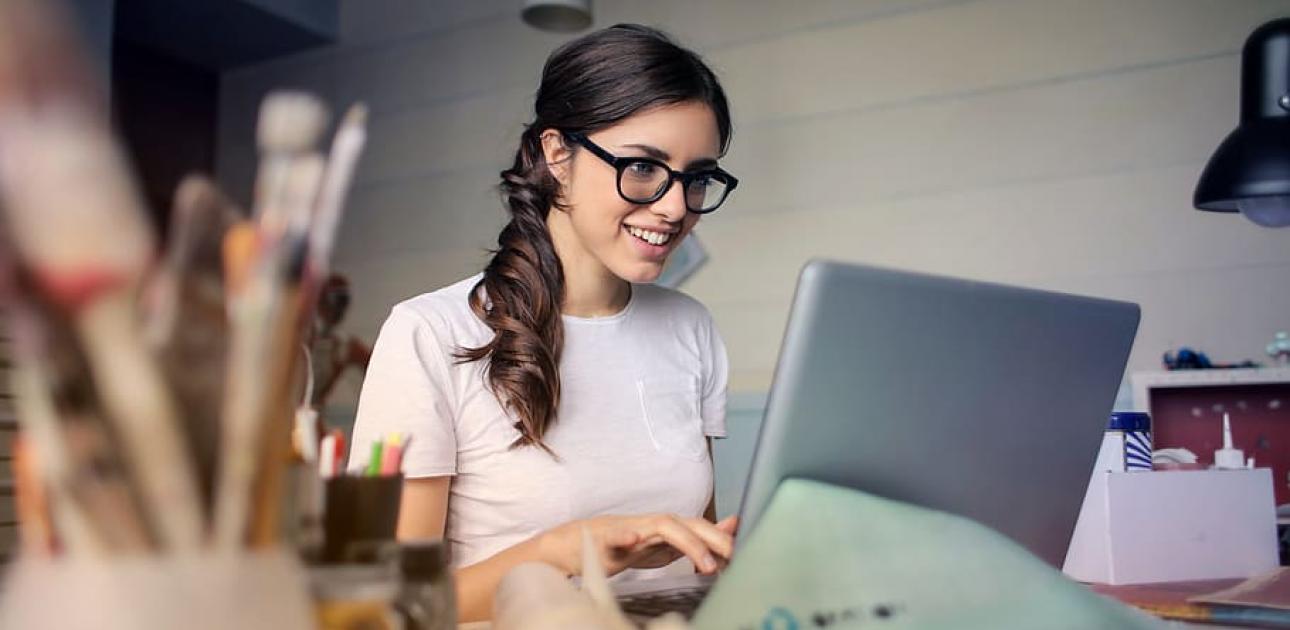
[588, 84]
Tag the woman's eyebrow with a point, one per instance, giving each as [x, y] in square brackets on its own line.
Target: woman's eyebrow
[650, 151]
[660, 154]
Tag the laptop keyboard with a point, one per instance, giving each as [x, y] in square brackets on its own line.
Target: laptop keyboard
[684, 601]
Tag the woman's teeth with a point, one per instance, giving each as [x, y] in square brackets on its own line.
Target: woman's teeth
[653, 238]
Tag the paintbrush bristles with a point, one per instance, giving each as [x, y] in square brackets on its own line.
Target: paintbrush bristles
[348, 144]
[356, 116]
[290, 122]
[66, 188]
[290, 125]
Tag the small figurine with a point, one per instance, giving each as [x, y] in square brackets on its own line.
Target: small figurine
[1279, 349]
[332, 351]
[1188, 359]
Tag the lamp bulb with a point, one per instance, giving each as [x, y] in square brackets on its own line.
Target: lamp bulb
[1266, 211]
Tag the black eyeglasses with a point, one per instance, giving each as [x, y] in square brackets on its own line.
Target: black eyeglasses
[646, 180]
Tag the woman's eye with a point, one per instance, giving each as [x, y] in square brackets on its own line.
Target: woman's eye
[643, 170]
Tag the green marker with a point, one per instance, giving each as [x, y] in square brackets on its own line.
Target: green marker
[374, 462]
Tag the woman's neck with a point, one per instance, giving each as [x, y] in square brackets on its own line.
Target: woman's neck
[590, 289]
[592, 297]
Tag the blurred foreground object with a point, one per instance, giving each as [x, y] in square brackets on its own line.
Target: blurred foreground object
[154, 389]
[261, 591]
[535, 596]
[824, 554]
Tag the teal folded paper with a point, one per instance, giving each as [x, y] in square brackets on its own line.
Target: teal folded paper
[824, 556]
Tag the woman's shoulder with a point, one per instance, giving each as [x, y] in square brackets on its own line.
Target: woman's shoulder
[652, 298]
[447, 307]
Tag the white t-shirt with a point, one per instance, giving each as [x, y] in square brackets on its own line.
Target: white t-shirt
[639, 391]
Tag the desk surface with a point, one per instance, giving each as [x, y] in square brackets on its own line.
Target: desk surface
[1169, 598]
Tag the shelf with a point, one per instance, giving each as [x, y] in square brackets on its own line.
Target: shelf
[1144, 381]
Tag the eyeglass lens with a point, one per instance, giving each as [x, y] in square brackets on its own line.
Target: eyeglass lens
[645, 182]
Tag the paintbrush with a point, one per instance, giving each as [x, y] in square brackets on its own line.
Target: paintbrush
[188, 286]
[289, 126]
[256, 413]
[311, 229]
[42, 432]
[66, 187]
[189, 281]
[346, 148]
[30, 501]
[264, 308]
[94, 506]
[249, 304]
[300, 193]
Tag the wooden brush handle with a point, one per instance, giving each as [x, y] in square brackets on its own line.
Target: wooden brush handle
[266, 514]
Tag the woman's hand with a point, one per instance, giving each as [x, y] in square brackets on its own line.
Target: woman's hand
[641, 542]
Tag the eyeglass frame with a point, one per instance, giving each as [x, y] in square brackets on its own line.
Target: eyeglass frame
[620, 165]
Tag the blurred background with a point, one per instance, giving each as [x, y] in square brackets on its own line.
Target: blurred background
[1046, 143]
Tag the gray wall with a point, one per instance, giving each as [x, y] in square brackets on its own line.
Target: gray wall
[94, 17]
[1051, 143]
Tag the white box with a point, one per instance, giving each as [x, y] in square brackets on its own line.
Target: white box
[1171, 526]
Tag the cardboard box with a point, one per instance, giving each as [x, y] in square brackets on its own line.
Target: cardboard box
[1170, 526]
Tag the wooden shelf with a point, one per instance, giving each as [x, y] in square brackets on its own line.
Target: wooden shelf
[1143, 382]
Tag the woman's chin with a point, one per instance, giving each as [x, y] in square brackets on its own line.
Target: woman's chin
[640, 272]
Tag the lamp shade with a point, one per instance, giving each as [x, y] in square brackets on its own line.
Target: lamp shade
[562, 16]
[1250, 171]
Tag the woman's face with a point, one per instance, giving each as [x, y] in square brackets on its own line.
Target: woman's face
[632, 241]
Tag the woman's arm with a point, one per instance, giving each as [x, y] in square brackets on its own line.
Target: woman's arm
[423, 509]
[710, 512]
[625, 541]
[422, 514]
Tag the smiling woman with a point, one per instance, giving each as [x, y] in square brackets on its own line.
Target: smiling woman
[558, 391]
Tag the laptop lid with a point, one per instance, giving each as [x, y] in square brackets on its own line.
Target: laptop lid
[978, 399]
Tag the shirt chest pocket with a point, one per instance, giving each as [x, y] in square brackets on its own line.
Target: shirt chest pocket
[670, 409]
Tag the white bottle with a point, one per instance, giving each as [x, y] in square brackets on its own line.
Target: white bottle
[1228, 458]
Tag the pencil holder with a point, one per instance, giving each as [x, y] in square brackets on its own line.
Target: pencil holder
[260, 591]
[350, 596]
[407, 586]
[360, 516]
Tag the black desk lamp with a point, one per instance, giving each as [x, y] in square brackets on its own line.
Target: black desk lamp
[1250, 171]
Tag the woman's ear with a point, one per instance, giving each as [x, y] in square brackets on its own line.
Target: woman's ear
[557, 153]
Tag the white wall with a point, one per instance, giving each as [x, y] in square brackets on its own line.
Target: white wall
[1051, 143]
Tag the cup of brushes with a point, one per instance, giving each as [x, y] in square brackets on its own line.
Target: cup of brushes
[154, 386]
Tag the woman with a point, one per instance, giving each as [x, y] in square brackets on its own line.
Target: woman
[558, 391]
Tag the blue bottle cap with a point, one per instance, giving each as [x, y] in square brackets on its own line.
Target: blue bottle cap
[1129, 421]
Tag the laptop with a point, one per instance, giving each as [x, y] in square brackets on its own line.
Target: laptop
[978, 399]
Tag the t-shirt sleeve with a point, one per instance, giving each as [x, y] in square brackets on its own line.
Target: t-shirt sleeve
[408, 389]
[716, 375]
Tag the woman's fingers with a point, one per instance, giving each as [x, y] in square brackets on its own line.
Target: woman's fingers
[720, 542]
[729, 524]
[629, 540]
[684, 539]
[621, 538]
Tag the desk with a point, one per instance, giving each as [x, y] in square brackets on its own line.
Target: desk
[1170, 596]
